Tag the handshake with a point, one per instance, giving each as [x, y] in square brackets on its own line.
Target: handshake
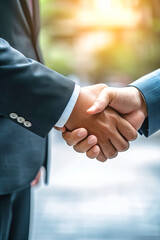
[104, 120]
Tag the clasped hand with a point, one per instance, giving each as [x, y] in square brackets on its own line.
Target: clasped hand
[104, 120]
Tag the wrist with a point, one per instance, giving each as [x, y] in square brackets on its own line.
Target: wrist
[142, 102]
[79, 110]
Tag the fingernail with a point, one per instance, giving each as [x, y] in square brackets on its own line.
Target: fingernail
[91, 109]
[81, 133]
[96, 149]
[91, 141]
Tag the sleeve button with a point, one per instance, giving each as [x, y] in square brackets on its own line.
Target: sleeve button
[20, 120]
[13, 115]
[27, 124]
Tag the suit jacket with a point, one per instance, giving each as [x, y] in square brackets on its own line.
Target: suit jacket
[32, 97]
[149, 86]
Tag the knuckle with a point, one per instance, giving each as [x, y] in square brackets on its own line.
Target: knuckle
[102, 85]
[123, 147]
[112, 154]
[66, 136]
[90, 155]
[113, 117]
[133, 135]
[107, 129]
[101, 159]
[79, 150]
[69, 142]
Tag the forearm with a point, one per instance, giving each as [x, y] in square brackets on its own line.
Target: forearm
[31, 90]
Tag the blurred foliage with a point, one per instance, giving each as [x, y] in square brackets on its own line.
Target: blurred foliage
[138, 57]
[56, 56]
[133, 52]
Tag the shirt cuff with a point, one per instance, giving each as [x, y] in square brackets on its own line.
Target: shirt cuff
[69, 108]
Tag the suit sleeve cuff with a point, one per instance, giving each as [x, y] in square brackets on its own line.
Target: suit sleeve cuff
[149, 86]
[69, 108]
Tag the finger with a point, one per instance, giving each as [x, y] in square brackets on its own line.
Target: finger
[108, 149]
[126, 130]
[34, 182]
[93, 152]
[103, 100]
[119, 142]
[135, 118]
[62, 129]
[86, 144]
[76, 136]
[37, 179]
[101, 157]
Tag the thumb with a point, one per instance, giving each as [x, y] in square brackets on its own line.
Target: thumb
[103, 100]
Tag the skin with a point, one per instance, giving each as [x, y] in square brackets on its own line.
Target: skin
[112, 132]
[129, 102]
[37, 179]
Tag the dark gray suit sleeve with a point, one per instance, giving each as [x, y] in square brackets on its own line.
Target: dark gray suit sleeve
[31, 90]
[149, 86]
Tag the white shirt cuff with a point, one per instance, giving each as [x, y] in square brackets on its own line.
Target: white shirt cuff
[69, 108]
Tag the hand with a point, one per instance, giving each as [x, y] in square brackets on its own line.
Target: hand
[111, 130]
[127, 101]
[82, 143]
[75, 137]
[37, 179]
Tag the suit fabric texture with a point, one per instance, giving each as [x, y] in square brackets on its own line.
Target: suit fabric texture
[28, 89]
[15, 215]
[149, 86]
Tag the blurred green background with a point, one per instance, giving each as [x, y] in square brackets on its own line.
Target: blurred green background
[111, 41]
